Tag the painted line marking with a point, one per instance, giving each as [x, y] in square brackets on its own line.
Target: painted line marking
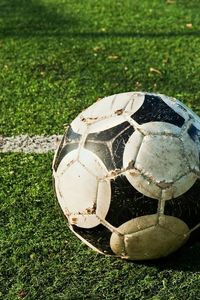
[29, 144]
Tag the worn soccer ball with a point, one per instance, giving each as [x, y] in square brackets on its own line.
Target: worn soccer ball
[127, 175]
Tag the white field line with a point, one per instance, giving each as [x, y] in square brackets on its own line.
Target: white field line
[29, 144]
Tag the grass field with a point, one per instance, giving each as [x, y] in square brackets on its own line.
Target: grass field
[56, 58]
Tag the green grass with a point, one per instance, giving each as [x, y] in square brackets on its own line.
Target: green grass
[56, 58]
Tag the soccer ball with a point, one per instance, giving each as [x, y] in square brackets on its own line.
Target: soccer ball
[127, 175]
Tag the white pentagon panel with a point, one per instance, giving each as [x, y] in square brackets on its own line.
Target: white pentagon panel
[78, 191]
[183, 184]
[83, 220]
[132, 148]
[159, 163]
[161, 157]
[143, 184]
[107, 108]
[103, 192]
[114, 104]
[135, 103]
[69, 159]
[191, 151]
[76, 194]
[92, 163]
[79, 126]
[105, 124]
[159, 128]
[146, 238]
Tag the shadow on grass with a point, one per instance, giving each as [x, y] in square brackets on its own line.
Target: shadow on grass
[29, 18]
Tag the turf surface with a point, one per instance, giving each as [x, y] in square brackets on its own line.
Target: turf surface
[56, 58]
